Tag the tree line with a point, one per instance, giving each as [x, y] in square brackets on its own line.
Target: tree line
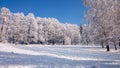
[18, 28]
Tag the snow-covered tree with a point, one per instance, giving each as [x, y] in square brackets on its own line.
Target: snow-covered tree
[18, 28]
[5, 16]
[104, 13]
[32, 28]
[40, 31]
[72, 31]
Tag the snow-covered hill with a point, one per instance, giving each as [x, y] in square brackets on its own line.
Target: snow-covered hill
[38, 56]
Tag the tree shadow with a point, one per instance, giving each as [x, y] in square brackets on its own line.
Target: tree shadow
[10, 58]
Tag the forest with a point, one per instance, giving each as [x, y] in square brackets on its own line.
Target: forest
[20, 29]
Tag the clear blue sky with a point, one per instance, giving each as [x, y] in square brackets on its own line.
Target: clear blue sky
[71, 11]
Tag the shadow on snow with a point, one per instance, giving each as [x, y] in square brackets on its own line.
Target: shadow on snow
[7, 58]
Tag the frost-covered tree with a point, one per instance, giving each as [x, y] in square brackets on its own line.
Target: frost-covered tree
[86, 34]
[5, 16]
[103, 14]
[18, 28]
[32, 28]
[72, 31]
[40, 31]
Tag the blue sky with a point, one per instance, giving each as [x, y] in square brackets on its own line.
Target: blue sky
[71, 11]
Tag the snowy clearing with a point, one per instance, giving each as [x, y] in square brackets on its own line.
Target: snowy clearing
[38, 56]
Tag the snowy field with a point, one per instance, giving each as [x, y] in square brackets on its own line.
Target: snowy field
[38, 56]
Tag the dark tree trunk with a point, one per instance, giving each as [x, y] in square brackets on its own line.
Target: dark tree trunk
[102, 44]
[115, 45]
[81, 32]
[26, 43]
[106, 40]
[2, 28]
[107, 47]
[13, 39]
[52, 41]
[87, 41]
[28, 37]
[63, 42]
[119, 44]
[16, 42]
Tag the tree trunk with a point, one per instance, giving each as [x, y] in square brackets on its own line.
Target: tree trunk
[106, 40]
[107, 47]
[28, 37]
[13, 39]
[2, 28]
[87, 41]
[16, 42]
[115, 45]
[119, 44]
[53, 42]
[102, 44]
[63, 42]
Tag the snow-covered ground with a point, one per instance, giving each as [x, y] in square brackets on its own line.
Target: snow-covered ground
[38, 56]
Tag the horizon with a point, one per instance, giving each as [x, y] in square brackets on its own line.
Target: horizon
[66, 12]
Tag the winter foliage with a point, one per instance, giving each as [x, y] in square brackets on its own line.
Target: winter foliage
[104, 22]
[20, 29]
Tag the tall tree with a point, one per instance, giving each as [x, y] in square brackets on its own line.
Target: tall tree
[104, 13]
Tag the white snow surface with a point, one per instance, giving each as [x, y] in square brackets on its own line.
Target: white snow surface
[64, 56]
